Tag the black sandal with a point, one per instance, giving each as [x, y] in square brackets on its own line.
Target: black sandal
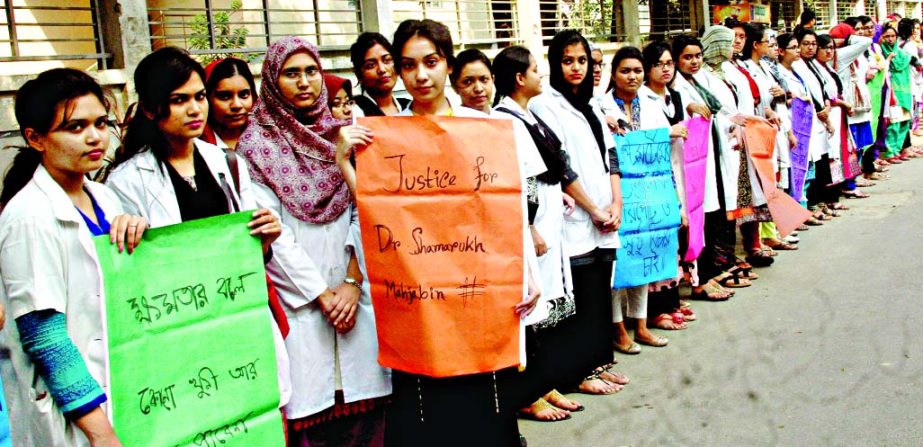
[760, 258]
[732, 281]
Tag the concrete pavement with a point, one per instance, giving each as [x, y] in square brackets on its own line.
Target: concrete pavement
[825, 349]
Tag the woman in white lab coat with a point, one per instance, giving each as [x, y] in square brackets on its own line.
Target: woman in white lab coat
[591, 231]
[692, 83]
[167, 175]
[637, 107]
[333, 344]
[55, 368]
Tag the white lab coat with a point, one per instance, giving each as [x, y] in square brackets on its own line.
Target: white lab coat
[145, 189]
[820, 144]
[553, 273]
[730, 157]
[49, 262]
[853, 75]
[747, 105]
[836, 113]
[577, 140]
[308, 259]
[690, 95]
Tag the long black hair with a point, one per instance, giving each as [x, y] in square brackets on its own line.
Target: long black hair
[508, 63]
[36, 108]
[755, 34]
[561, 41]
[156, 77]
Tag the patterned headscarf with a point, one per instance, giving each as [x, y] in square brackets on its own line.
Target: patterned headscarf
[293, 151]
[718, 47]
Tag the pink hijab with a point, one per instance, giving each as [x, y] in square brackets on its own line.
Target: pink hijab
[292, 151]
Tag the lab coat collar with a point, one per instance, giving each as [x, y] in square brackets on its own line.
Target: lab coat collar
[62, 205]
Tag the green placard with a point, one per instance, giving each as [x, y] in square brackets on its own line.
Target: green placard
[191, 354]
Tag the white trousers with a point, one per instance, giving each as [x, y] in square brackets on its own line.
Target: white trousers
[631, 301]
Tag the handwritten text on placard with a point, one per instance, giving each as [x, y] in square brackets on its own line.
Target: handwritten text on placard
[441, 217]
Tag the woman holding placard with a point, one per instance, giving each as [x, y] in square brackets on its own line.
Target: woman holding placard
[472, 409]
[55, 380]
[636, 107]
[165, 173]
[693, 84]
[336, 379]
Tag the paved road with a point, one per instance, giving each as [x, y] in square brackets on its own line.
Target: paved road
[825, 349]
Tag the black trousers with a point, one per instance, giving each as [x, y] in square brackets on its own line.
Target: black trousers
[720, 242]
[585, 339]
[462, 411]
[818, 191]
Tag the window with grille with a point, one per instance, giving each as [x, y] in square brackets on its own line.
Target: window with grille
[597, 20]
[36, 36]
[472, 23]
[822, 11]
[245, 28]
[844, 9]
[666, 18]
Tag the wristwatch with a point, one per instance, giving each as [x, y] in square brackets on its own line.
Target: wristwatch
[352, 282]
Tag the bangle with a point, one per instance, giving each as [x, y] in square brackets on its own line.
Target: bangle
[352, 282]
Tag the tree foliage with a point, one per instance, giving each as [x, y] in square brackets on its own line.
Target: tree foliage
[227, 37]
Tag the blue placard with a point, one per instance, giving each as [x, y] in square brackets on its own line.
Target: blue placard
[650, 214]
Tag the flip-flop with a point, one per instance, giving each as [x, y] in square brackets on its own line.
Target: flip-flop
[554, 397]
[657, 342]
[744, 272]
[632, 349]
[857, 194]
[539, 406]
[732, 281]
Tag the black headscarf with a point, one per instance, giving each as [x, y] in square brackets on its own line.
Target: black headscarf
[581, 99]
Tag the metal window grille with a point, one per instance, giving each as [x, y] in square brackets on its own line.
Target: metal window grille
[597, 20]
[844, 9]
[246, 28]
[54, 30]
[785, 12]
[822, 11]
[666, 18]
[907, 8]
[472, 23]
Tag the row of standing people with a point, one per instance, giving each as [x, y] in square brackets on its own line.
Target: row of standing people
[287, 157]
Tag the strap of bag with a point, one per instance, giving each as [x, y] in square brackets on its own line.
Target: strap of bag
[232, 166]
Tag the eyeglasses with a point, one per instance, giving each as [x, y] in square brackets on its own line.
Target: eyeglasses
[599, 65]
[809, 44]
[662, 65]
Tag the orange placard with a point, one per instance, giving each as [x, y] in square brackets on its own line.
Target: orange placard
[440, 207]
[760, 138]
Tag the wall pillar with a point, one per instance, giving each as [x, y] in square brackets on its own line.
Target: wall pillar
[631, 21]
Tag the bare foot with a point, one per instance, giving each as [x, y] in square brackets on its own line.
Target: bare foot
[559, 400]
[598, 386]
[614, 377]
[542, 411]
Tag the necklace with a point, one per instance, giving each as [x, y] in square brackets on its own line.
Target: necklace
[191, 181]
